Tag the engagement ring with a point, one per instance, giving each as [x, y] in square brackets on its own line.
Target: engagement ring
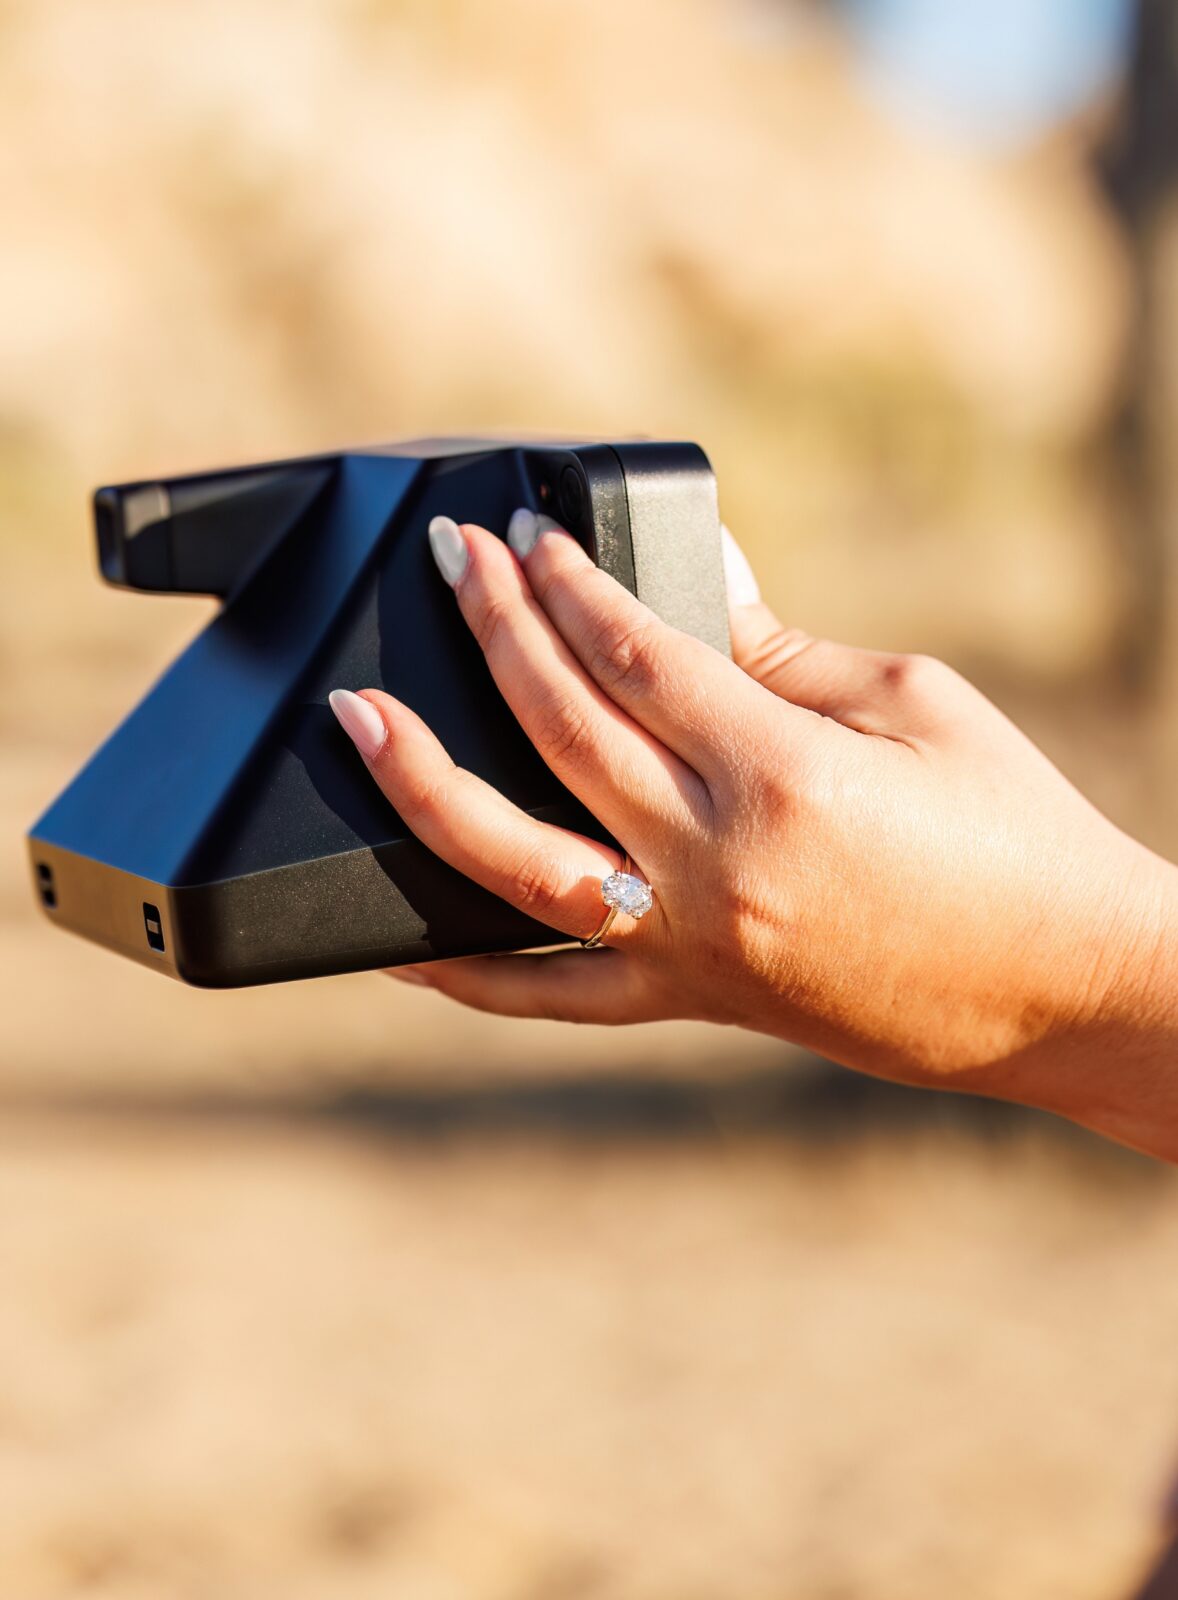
[621, 891]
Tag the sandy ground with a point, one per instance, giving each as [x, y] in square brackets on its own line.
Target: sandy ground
[332, 1290]
[300, 1357]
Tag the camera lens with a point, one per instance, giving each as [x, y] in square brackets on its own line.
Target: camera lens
[572, 498]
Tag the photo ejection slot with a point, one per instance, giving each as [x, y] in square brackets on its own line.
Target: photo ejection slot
[153, 925]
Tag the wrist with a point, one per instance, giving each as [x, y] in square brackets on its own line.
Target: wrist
[1141, 995]
[1115, 1064]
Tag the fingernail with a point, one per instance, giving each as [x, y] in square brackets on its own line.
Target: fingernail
[521, 531]
[360, 720]
[548, 525]
[407, 975]
[739, 577]
[449, 548]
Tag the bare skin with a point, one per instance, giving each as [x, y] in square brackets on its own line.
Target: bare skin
[850, 850]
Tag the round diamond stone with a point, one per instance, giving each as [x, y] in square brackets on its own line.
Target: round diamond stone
[628, 893]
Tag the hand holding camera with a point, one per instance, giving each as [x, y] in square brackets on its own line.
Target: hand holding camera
[848, 849]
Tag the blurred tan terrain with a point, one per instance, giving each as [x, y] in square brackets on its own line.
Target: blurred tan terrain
[331, 1290]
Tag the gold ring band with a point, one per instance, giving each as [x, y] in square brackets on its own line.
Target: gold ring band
[607, 922]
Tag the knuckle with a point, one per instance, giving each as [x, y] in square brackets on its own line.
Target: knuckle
[537, 887]
[792, 769]
[563, 734]
[622, 655]
[553, 581]
[919, 678]
[741, 909]
[421, 799]
[779, 794]
[490, 619]
[776, 652]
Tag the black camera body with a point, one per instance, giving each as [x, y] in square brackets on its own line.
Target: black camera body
[227, 833]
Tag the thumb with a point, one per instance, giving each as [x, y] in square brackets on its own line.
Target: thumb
[836, 680]
[762, 645]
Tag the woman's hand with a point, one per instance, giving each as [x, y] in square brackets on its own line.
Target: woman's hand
[848, 849]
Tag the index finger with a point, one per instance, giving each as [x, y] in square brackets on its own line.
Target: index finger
[690, 697]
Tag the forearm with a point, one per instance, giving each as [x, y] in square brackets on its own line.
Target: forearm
[1076, 1011]
[1111, 1063]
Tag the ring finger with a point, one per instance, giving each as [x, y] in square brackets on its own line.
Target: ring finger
[550, 874]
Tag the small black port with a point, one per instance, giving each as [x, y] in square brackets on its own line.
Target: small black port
[46, 885]
[153, 925]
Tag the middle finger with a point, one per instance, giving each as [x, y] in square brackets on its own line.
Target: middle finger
[614, 766]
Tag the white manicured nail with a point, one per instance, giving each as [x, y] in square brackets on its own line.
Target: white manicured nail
[360, 720]
[739, 577]
[521, 531]
[449, 548]
[548, 525]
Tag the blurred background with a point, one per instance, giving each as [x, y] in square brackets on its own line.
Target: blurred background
[332, 1291]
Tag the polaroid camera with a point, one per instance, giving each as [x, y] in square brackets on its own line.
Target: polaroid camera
[227, 832]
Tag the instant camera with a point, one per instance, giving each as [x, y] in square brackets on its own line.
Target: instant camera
[227, 832]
